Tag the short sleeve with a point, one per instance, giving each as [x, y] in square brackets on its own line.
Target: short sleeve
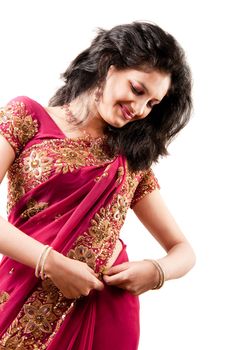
[147, 184]
[16, 124]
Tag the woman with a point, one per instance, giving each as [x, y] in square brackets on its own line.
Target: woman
[74, 169]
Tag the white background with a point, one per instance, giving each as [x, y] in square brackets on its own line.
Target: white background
[38, 40]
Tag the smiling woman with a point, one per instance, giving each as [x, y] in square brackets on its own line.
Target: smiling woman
[130, 94]
[75, 167]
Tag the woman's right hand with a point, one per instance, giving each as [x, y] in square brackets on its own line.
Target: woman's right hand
[72, 277]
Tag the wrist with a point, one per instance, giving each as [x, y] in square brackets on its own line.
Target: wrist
[53, 262]
[160, 275]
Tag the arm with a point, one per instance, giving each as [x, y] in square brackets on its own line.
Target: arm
[155, 216]
[71, 277]
[13, 242]
[180, 258]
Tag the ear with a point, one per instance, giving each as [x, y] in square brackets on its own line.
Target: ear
[111, 70]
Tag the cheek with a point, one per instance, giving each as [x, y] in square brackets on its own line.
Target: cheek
[109, 100]
[114, 93]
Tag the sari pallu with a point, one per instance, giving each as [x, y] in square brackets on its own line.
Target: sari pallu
[78, 208]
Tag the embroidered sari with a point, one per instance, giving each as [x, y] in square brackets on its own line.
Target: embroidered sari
[69, 194]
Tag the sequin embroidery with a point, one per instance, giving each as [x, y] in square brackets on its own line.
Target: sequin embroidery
[17, 125]
[33, 207]
[39, 162]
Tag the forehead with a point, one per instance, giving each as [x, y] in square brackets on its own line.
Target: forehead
[149, 74]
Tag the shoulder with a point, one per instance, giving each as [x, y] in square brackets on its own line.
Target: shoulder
[23, 104]
[147, 184]
[21, 107]
[18, 122]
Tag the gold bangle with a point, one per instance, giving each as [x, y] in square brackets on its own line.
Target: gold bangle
[161, 274]
[37, 270]
[42, 274]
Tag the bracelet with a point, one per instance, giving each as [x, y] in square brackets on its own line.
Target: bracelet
[41, 261]
[45, 255]
[161, 273]
[37, 273]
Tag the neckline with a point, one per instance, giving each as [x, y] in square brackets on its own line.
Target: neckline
[86, 137]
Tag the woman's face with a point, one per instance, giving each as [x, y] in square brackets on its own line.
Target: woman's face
[129, 95]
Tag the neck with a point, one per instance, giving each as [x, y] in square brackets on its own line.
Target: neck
[86, 117]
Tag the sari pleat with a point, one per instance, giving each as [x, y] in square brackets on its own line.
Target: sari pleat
[102, 320]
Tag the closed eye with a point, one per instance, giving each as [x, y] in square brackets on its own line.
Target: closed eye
[136, 91]
[139, 92]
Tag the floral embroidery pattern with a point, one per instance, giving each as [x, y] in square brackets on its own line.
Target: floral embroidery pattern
[69, 159]
[39, 162]
[38, 318]
[17, 125]
[33, 207]
[83, 254]
[36, 322]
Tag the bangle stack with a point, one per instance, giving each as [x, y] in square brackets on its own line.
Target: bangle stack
[161, 274]
[39, 271]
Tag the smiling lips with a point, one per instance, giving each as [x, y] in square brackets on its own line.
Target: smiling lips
[128, 115]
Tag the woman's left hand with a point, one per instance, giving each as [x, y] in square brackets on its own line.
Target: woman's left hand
[136, 277]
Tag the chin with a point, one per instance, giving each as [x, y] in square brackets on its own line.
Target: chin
[117, 123]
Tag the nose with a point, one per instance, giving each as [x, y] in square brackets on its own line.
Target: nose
[141, 108]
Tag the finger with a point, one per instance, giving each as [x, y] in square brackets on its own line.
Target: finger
[86, 266]
[98, 285]
[89, 269]
[116, 279]
[116, 269]
[86, 292]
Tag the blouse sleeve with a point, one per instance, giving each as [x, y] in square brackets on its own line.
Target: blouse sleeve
[147, 184]
[16, 124]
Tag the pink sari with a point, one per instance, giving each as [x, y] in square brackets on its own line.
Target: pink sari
[70, 195]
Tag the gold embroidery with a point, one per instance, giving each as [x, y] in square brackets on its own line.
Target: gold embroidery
[43, 313]
[120, 174]
[38, 320]
[33, 207]
[4, 296]
[105, 226]
[105, 174]
[17, 125]
[70, 159]
[146, 185]
[39, 162]
[25, 129]
[5, 115]
[83, 254]
[16, 189]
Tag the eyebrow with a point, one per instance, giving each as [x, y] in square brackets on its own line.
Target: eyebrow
[145, 88]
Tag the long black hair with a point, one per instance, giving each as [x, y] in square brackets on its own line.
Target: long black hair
[135, 45]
